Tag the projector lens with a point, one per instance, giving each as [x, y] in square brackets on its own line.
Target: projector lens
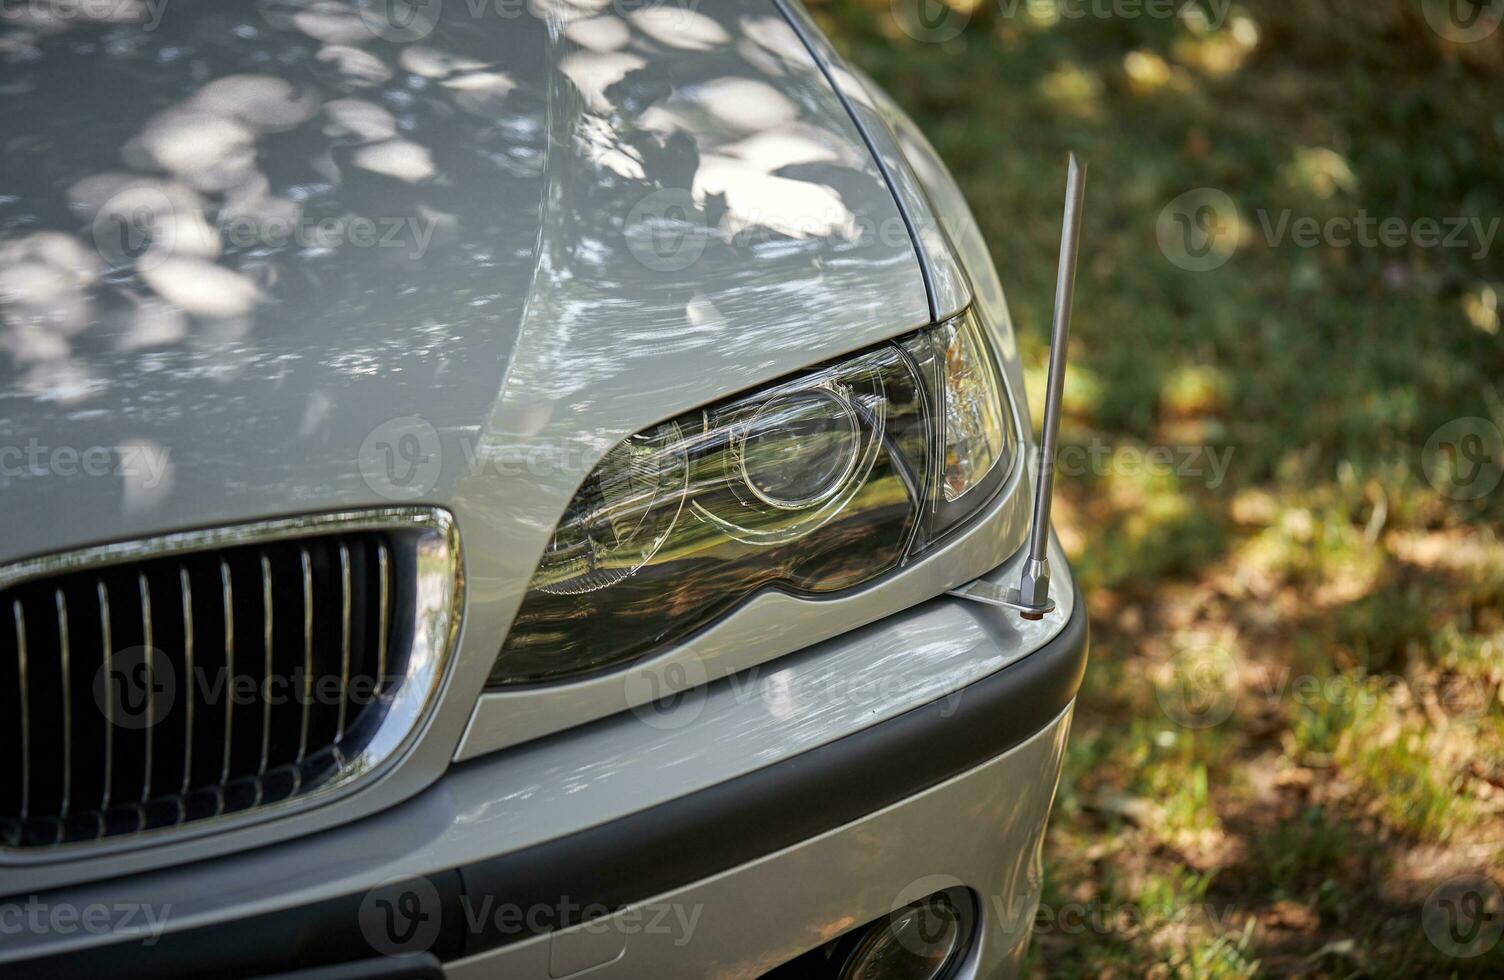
[799, 450]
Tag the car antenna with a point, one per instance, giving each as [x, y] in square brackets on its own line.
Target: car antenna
[1031, 597]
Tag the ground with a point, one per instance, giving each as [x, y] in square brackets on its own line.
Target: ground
[1288, 757]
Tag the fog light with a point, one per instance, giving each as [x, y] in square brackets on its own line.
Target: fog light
[915, 943]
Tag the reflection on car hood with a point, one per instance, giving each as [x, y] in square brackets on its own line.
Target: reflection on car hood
[278, 257]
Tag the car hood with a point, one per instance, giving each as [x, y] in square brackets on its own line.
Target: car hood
[264, 259]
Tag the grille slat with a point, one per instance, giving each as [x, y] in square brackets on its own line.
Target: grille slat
[267, 622]
[384, 572]
[149, 675]
[229, 702]
[62, 632]
[138, 713]
[344, 640]
[190, 689]
[108, 665]
[19, 615]
[307, 566]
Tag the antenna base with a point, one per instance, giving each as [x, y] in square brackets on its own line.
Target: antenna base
[990, 594]
[1034, 584]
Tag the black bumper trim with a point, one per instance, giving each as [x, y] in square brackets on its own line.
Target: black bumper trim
[648, 853]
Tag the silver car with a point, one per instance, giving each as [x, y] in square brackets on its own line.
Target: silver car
[481, 485]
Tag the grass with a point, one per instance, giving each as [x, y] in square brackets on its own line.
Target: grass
[1343, 606]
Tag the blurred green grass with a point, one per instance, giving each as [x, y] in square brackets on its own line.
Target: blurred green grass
[1308, 829]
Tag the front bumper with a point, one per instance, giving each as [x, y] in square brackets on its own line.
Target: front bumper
[729, 879]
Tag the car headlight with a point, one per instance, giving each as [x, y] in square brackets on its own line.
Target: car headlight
[820, 482]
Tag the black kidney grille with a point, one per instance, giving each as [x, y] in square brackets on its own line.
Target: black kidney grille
[158, 692]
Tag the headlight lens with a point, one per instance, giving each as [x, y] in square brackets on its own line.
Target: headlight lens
[818, 483]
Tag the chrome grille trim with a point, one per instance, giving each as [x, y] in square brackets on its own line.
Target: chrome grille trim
[407, 560]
